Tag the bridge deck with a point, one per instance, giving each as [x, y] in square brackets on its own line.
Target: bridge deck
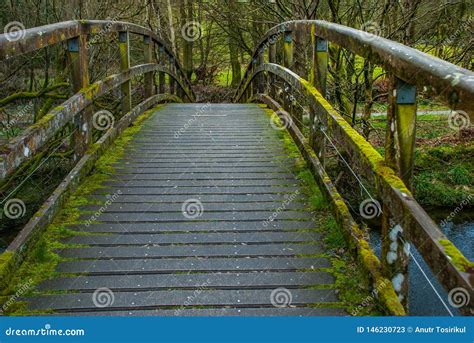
[228, 170]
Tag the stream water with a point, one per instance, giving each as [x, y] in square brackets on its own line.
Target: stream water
[423, 300]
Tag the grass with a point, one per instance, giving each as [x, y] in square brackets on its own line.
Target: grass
[352, 284]
[444, 171]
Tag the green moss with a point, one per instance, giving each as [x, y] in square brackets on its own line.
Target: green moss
[456, 257]
[41, 260]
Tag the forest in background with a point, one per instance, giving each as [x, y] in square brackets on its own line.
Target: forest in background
[214, 40]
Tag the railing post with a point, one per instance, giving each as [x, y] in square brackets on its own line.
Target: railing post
[319, 68]
[124, 45]
[405, 117]
[79, 64]
[172, 69]
[161, 75]
[148, 57]
[272, 58]
[395, 253]
[259, 81]
[318, 77]
[288, 50]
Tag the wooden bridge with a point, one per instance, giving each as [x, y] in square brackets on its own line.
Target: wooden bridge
[196, 209]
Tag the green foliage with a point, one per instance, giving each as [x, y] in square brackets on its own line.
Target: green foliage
[444, 175]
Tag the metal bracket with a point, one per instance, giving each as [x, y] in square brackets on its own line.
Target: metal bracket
[321, 45]
[73, 44]
[406, 93]
[123, 36]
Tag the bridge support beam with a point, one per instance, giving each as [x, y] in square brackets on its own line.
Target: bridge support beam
[318, 76]
[79, 64]
[288, 50]
[173, 71]
[405, 115]
[148, 58]
[124, 45]
[161, 75]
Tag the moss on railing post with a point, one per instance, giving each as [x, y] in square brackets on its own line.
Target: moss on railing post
[288, 50]
[405, 117]
[318, 76]
[161, 75]
[148, 58]
[79, 65]
[173, 71]
[124, 45]
[399, 155]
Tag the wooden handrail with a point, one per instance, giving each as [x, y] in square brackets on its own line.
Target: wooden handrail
[453, 84]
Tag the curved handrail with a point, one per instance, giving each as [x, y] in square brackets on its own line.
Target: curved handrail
[455, 85]
[20, 148]
[406, 211]
[40, 37]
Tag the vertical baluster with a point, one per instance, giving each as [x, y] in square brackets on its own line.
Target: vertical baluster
[260, 81]
[161, 75]
[79, 63]
[171, 79]
[405, 116]
[395, 252]
[318, 77]
[148, 57]
[288, 50]
[124, 45]
[272, 56]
